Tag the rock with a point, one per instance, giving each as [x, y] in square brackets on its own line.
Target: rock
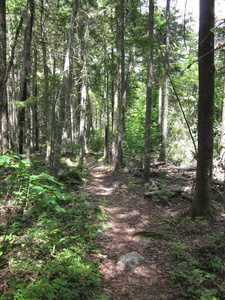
[116, 184]
[130, 260]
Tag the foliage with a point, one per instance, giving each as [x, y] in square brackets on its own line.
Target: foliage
[51, 19]
[199, 273]
[96, 143]
[47, 236]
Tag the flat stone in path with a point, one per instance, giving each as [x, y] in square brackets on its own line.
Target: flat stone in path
[130, 260]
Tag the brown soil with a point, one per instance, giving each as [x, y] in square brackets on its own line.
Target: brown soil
[130, 209]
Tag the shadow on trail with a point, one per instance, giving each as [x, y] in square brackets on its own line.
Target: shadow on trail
[128, 212]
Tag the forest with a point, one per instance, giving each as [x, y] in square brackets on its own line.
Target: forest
[111, 106]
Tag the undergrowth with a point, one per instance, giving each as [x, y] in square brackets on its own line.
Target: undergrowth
[199, 272]
[47, 236]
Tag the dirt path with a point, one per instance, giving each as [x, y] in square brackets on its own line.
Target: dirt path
[129, 212]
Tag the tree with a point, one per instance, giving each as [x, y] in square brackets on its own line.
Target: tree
[149, 91]
[84, 85]
[118, 106]
[222, 134]
[166, 93]
[105, 91]
[46, 92]
[3, 70]
[202, 194]
[64, 94]
[25, 91]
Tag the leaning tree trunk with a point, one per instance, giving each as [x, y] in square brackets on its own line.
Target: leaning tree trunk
[3, 90]
[202, 194]
[148, 110]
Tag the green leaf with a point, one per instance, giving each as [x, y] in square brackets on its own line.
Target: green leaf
[49, 199]
[37, 190]
[58, 208]
[4, 159]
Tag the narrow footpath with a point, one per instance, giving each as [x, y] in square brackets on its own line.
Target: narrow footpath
[128, 212]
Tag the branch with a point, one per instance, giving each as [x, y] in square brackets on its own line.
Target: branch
[13, 49]
[181, 107]
[222, 46]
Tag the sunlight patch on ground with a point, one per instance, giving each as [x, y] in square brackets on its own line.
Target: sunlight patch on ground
[104, 191]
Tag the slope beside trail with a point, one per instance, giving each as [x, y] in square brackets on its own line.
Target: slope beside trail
[129, 212]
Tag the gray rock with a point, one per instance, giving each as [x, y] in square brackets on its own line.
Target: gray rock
[116, 184]
[130, 260]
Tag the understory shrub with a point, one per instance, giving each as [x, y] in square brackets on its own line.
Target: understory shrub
[199, 273]
[47, 236]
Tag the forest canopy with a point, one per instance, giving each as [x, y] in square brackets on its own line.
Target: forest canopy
[73, 79]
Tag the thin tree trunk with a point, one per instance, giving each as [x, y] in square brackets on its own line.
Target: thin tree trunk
[222, 134]
[166, 93]
[35, 107]
[3, 90]
[124, 89]
[122, 93]
[119, 96]
[148, 111]
[160, 95]
[55, 167]
[13, 48]
[84, 89]
[46, 95]
[106, 116]
[116, 96]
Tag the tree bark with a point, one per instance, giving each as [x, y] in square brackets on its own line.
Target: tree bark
[122, 89]
[55, 167]
[46, 94]
[166, 93]
[119, 86]
[222, 134]
[84, 88]
[25, 76]
[202, 194]
[3, 70]
[148, 111]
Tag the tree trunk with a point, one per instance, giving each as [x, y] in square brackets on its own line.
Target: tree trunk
[25, 76]
[63, 96]
[3, 90]
[46, 94]
[117, 93]
[148, 111]
[106, 115]
[120, 90]
[166, 93]
[35, 135]
[222, 134]
[160, 107]
[84, 88]
[202, 194]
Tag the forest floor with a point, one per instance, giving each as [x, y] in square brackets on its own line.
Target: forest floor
[144, 217]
